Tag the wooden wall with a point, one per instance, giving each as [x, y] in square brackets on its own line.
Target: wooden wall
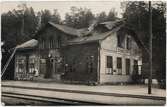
[78, 59]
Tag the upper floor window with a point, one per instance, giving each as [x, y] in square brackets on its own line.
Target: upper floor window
[128, 43]
[120, 40]
[58, 42]
[51, 43]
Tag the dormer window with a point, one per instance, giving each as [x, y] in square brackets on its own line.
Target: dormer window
[128, 43]
[120, 40]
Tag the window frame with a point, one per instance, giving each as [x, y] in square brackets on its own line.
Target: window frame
[128, 43]
[109, 68]
[126, 60]
[119, 65]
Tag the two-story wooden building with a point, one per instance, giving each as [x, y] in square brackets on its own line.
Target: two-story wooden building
[105, 53]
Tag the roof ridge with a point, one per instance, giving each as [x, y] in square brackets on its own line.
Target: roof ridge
[50, 22]
[65, 29]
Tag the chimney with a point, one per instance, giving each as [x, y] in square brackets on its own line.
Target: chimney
[92, 25]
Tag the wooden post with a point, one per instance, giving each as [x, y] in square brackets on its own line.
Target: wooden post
[150, 59]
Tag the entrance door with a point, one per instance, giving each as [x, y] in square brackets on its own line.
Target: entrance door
[48, 73]
[56, 68]
[127, 66]
[135, 67]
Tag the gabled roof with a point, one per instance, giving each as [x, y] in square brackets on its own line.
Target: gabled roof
[65, 29]
[93, 37]
[27, 45]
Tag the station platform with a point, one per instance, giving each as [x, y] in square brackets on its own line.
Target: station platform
[136, 91]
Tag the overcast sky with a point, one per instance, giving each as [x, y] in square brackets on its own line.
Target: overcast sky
[64, 6]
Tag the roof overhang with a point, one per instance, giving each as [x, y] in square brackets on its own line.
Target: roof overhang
[28, 45]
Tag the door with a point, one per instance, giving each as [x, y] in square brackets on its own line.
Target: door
[127, 66]
[48, 73]
[135, 67]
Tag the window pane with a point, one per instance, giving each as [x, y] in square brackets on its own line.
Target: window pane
[128, 43]
[109, 65]
[119, 62]
[109, 62]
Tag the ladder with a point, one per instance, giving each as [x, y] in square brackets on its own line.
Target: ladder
[8, 62]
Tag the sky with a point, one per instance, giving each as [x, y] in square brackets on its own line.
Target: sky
[64, 6]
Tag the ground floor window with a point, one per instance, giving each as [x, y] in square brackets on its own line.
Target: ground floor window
[119, 65]
[109, 65]
[20, 66]
[31, 67]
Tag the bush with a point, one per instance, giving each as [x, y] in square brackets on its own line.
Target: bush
[136, 79]
[162, 83]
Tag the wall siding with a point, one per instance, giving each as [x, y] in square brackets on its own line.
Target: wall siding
[79, 54]
[109, 48]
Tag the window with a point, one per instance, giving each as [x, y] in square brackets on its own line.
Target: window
[135, 67]
[109, 69]
[127, 66]
[31, 67]
[21, 67]
[119, 41]
[128, 43]
[51, 45]
[119, 65]
[58, 42]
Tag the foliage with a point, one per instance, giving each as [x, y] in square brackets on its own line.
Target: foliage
[19, 25]
[102, 17]
[14, 26]
[47, 16]
[79, 17]
[83, 17]
[137, 17]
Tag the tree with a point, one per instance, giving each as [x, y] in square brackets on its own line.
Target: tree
[137, 17]
[56, 17]
[79, 17]
[101, 17]
[112, 15]
[31, 20]
[45, 17]
[18, 25]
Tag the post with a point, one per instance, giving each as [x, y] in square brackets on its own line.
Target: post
[150, 44]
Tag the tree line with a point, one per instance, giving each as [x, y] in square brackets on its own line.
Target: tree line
[19, 25]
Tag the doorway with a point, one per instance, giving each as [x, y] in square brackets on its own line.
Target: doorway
[127, 66]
